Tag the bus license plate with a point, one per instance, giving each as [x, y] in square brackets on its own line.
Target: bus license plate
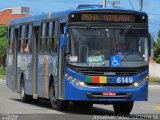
[109, 94]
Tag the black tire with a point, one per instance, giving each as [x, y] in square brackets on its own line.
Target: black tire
[123, 108]
[81, 104]
[56, 103]
[24, 97]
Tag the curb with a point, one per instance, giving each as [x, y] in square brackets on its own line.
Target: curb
[2, 81]
[152, 85]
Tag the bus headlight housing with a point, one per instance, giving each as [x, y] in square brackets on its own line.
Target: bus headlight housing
[75, 81]
[139, 83]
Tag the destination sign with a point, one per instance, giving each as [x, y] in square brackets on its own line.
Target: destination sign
[107, 18]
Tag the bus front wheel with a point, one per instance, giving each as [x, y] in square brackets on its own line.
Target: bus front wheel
[24, 97]
[123, 108]
[56, 103]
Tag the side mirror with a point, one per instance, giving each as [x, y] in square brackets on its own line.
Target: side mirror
[62, 41]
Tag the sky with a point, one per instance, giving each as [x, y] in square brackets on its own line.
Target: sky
[152, 7]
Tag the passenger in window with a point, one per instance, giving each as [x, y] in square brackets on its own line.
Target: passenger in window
[26, 48]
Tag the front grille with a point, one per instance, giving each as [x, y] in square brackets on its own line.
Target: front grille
[108, 85]
[108, 73]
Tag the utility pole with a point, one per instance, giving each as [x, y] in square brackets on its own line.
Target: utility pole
[114, 3]
[140, 5]
[104, 3]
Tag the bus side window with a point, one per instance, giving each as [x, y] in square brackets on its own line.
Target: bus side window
[29, 35]
[43, 37]
[50, 39]
[20, 43]
[10, 42]
[55, 34]
[62, 25]
[24, 40]
[27, 47]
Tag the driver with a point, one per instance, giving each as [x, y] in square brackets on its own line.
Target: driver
[120, 47]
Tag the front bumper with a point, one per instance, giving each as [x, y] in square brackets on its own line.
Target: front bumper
[73, 92]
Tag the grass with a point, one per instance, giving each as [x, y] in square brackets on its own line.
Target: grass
[3, 77]
[154, 80]
[3, 73]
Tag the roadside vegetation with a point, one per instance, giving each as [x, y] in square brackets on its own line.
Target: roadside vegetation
[157, 49]
[153, 80]
[3, 73]
[3, 50]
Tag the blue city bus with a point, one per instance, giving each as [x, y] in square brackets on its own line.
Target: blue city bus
[84, 56]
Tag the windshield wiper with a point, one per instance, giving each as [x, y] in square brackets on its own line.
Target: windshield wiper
[128, 27]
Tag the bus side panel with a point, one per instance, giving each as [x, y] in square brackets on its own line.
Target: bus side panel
[42, 78]
[24, 66]
[10, 71]
[51, 59]
[45, 69]
[19, 72]
[54, 72]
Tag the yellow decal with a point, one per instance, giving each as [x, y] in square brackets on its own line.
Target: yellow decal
[103, 79]
[46, 75]
[158, 107]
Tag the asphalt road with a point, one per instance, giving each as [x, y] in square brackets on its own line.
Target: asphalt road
[11, 107]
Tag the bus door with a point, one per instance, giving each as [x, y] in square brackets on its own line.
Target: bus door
[15, 50]
[61, 59]
[36, 30]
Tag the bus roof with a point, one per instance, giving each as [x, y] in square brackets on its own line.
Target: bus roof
[64, 15]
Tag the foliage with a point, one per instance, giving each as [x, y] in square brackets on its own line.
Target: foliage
[157, 49]
[2, 70]
[3, 46]
[3, 41]
[3, 31]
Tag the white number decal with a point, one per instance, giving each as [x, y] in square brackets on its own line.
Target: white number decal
[124, 80]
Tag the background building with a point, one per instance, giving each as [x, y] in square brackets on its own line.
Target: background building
[12, 13]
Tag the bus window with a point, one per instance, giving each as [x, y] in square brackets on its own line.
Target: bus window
[30, 31]
[27, 42]
[20, 43]
[10, 42]
[23, 32]
[25, 47]
[56, 29]
[42, 37]
[51, 29]
[55, 46]
[62, 28]
[50, 40]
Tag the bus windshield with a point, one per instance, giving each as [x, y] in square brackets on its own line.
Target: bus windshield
[94, 47]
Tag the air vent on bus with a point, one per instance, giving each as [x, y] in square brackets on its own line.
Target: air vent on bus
[108, 73]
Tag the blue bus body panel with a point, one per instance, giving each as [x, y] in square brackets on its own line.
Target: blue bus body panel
[73, 92]
[63, 16]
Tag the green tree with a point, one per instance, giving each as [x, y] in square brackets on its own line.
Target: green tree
[157, 49]
[3, 41]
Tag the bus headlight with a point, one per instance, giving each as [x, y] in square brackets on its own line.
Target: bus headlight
[141, 82]
[81, 84]
[75, 81]
[136, 84]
